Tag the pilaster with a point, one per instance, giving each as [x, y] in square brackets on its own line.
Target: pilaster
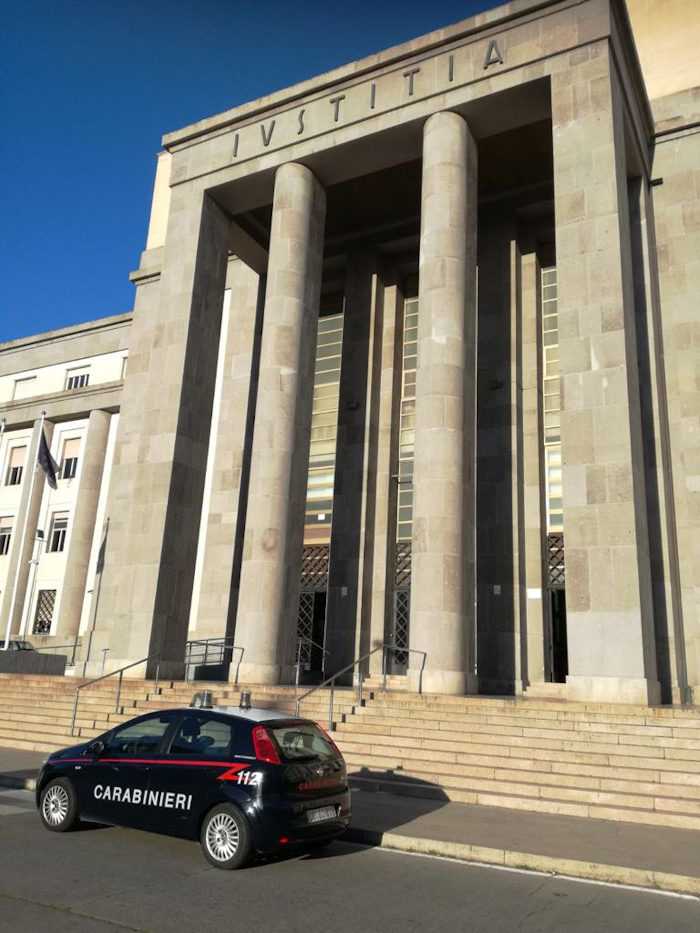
[608, 585]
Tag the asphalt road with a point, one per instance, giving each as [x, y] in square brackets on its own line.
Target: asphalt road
[106, 879]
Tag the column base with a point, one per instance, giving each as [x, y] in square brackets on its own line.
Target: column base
[456, 683]
[638, 690]
[250, 673]
[692, 692]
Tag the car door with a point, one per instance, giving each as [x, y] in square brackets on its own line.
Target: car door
[187, 778]
[114, 784]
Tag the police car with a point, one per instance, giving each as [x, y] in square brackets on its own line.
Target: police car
[239, 780]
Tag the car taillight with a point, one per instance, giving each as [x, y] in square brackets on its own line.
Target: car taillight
[264, 747]
[331, 742]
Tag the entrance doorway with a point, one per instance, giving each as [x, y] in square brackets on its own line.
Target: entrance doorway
[558, 641]
[312, 633]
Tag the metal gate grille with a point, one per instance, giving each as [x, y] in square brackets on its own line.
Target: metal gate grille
[305, 628]
[314, 579]
[556, 577]
[402, 615]
[398, 662]
[43, 617]
[314, 567]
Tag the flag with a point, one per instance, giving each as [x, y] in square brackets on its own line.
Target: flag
[47, 462]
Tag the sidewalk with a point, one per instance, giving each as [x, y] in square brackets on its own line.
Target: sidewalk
[622, 853]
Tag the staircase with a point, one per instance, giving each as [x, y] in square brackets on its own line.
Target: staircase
[632, 764]
[623, 763]
[36, 711]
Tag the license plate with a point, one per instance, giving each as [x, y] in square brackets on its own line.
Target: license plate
[323, 813]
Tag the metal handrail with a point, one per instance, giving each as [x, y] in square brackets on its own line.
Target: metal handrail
[330, 681]
[74, 645]
[120, 672]
[221, 642]
[305, 640]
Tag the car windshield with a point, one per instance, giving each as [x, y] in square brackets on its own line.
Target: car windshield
[302, 741]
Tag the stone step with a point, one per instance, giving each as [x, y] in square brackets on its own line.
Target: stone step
[642, 757]
[514, 802]
[604, 743]
[547, 718]
[464, 755]
[613, 780]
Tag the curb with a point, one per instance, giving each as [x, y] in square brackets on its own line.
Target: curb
[507, 858]
[17, 783]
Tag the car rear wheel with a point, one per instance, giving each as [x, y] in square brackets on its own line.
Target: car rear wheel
[58, 806]
[225, 837]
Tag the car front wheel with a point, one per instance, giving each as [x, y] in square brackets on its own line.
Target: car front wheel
[225, 837]
[58, 806]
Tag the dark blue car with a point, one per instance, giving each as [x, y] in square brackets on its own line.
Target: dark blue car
[239, 780]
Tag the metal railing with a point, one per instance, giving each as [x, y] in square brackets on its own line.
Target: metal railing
[305, 640]
[74, 645]
[202, 651]
[357, 663]
[120, 676]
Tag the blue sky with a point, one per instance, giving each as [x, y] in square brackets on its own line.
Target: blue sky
[88, 89]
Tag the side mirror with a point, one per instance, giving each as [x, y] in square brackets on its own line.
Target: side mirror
[96, 748]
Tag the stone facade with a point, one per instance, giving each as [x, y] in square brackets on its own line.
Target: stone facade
[507, 484]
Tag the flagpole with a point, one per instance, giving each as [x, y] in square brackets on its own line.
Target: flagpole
[23, 537]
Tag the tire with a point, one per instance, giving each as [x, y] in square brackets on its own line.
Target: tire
[225, 837]
[58, 806]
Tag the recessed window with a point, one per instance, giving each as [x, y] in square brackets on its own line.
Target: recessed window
[57, 535]
[24, 387]
[15, 467]
[69, 458]
[5, 535]
[77, 378]
[43, 616]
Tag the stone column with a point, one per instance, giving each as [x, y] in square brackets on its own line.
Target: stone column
[214, 614]
[82, 527]
[442, 584]
[23, 541]
[157, 481]
[608, 584]
[272, 549]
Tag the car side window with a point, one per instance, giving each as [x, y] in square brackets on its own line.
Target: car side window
[202, 736]
[138, 738]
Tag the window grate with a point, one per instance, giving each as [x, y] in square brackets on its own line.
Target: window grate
[305, 628]
[402, 616]
[43, 617]
[402, 574]
[314, 567]
[556, 578]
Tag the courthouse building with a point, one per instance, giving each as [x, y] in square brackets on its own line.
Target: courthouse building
[414, 359]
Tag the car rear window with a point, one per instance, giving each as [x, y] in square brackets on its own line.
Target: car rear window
[302, 740]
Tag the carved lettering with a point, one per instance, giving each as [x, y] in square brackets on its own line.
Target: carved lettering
[493, 55]
[411, 75]
[336, 104]
[267, 134]
[448, 75]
